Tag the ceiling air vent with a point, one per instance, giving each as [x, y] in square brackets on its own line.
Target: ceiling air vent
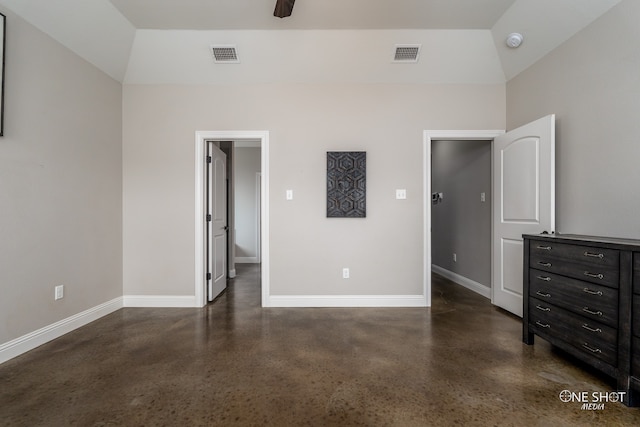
[225, 54]
[406, 53]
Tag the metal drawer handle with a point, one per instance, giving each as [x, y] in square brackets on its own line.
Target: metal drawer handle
[542, 325]
[591, 349]
[589, 291]
[544, 264]
[594, 275]
[543, 295]
[544, 248]
[543, 308]
[595, 313]
[586, 326]
[545, 278]
[592, 255]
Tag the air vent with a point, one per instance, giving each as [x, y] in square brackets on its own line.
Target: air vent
[406, 53]
[225, 54]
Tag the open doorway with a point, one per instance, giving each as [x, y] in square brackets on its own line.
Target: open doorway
[230, 140]
[461, 212]
[523, 193]
[429, 137]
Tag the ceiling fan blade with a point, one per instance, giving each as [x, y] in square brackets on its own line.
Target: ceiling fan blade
[283, 8]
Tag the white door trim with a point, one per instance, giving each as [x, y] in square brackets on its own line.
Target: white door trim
[428, 136]
[201, 138]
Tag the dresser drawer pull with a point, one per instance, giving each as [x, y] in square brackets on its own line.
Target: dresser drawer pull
[595, 276]
[586, 326]
[543, 308]
[545, 278]
[589, 291]
[544, 248]
[542, 325]
[544, 264]
[595, 313]
[591, 349]
[592, 255]
[543, 295]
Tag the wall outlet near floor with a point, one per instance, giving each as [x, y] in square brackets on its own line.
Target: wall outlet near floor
[345, 273]
[455, 258]
[59, 292]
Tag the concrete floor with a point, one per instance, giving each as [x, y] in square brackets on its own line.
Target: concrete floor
[460, 362]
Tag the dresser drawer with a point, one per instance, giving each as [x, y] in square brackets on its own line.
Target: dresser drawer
[602, 275]
[635, 357]
[590, 337]
[594, 302]
[635, 317]
[636, 272]
[576, 253]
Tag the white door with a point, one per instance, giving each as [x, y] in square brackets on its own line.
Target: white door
[216, 221]
[524, 202]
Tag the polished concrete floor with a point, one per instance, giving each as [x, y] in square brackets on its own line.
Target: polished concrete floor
[460, 362]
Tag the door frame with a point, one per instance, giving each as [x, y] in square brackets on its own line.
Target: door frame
[201, 139]
[428, 136]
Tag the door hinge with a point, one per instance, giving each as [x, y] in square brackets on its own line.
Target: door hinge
[208, 276]
[208, 217]
[209, 159]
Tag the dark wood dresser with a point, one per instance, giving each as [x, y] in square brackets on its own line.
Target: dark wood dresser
[582, 294]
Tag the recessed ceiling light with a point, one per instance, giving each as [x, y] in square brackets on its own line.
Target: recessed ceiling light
[514, 40]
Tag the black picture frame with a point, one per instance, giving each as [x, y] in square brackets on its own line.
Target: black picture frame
[3, 33]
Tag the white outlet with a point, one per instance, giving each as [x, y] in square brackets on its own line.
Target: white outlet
[483, 197]
[455, 258]
[59, 294]
[345, 273]
[289, 195]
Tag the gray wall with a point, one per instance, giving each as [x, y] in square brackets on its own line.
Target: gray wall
[60, 184]
[247, 164]
[592, 84]
[461, 223]
[384, 251]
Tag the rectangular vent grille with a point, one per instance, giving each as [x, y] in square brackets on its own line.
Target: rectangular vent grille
[406, 53]
[225, 54]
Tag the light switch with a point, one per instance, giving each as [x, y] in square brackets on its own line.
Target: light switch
[401, 194]
[289, 194]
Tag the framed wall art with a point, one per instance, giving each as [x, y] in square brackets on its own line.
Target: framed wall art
[346, 184]
[3, 26]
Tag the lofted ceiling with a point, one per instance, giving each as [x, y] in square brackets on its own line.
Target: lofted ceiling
[168, 41]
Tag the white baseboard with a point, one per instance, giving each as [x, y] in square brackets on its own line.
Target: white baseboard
[246, 260]
[347, 301]
[27, 342]
[171, 301]
[463, 281]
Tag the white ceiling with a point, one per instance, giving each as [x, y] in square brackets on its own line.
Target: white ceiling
[312, 14]
[168, 41]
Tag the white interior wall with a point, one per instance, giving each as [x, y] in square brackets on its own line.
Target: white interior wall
[592, 84]
[384, 251]
[60, 186]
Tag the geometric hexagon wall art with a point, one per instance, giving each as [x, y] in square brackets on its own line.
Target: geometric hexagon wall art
[346, 184]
